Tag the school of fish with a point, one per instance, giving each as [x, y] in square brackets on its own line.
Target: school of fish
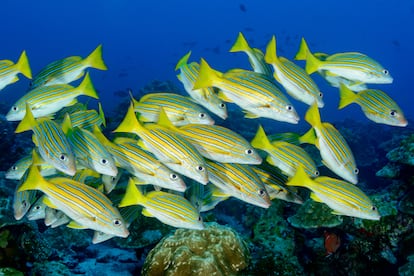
[169, 160]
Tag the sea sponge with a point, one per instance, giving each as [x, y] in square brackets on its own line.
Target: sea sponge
[216, 250]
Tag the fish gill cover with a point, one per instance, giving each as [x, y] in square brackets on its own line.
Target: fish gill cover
[133, 119]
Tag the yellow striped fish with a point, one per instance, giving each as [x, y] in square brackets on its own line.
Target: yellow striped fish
[342, 197]
[274, 183]
[205, 197]
[376, 105]
[47, 100]
[87, 119]
[38, 209]
[142, 164]
[9, 70]
[256, 94]
[83, 204]
[216, 142]
[293, 78]
[69, 69]
[17, 170]
[170, 148]
[170, 209]
[256, 56]
[350, 65]
[335, 151]
[88, 150]
[206, 97]
[284, 155]
[239, 181]
[50, 140]
[22, 201]
[181, 110]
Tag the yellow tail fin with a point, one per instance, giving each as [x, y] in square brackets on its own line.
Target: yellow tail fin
[23, 66]
[300, 178]
[312, 63]
[95, 60]
[303, 50]
[207, 76]
[130, 123]
[271, 55]
[240, 45]
[346, 96]
[86, 87]
[260, 140]
[133, 195]
[28, 121]
[312, 116]
[183, 61]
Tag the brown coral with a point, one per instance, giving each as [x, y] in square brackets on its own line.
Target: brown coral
[216, 250]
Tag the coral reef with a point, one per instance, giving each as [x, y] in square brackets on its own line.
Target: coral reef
[216, 250]
[312, 214]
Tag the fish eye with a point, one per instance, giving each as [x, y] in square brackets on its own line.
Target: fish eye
[24, 203]
[37, 207]
[15, 108]
[289, 107]
[14, 168]
[393, 113]
[200, 168]
[113, 178]
[222, 105]
[373, 208]
[117, 222]
[199, 218]
[356, 171]
[63, 157]
[104, 161]
[261, 193]
[320, 94]
[173, 176]
[385, 72]
[249, 151]
[316, 173]
[202, 115]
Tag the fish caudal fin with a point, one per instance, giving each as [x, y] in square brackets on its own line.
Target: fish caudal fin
[130, 123]
[346, 96]
[303, 50]
[86, 87]
[183, 61]
[312, 63]
[133, 195]
[28, 121]
[206, 76]
[312, 116]
[34, 180]
[300, 178]
[23, 66]
[260, 140]
[240, 45]
[271, 55]
[95, 59]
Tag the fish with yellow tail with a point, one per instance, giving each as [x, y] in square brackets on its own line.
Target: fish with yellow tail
[51, 142]
[287, 157]
[170, 209]
[206, 97]
[293, 78]
[256, 56]
[47, 100]
[9, 70]
[343, 198]
[376, 105]
[335, 151]
[170, 148]
[255, 93]
[86, 206]
[353, 66]
[68, 69]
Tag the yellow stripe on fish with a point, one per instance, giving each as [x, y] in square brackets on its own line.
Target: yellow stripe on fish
[376, 105]
[255, 93]
[170, 148]
[170, 209]
[9, 70]
[181, 110]
[343, 197]
[47, 100]
[88, 150]
[142, 164]
[240, 181]
[51, 142]
[17, 170]
[293, 78]
[206, 97]
[284, 155]
[350, 65]
[335, 151]
[83, 204]
[87, 119]
[68, 69]
[256, 56]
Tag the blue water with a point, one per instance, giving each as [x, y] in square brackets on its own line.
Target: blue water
[143, 40]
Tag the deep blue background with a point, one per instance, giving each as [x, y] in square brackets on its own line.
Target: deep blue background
[143, 40]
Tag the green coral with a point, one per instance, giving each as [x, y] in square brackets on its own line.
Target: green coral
[314, 215]
[10, 271]
[216, 250]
